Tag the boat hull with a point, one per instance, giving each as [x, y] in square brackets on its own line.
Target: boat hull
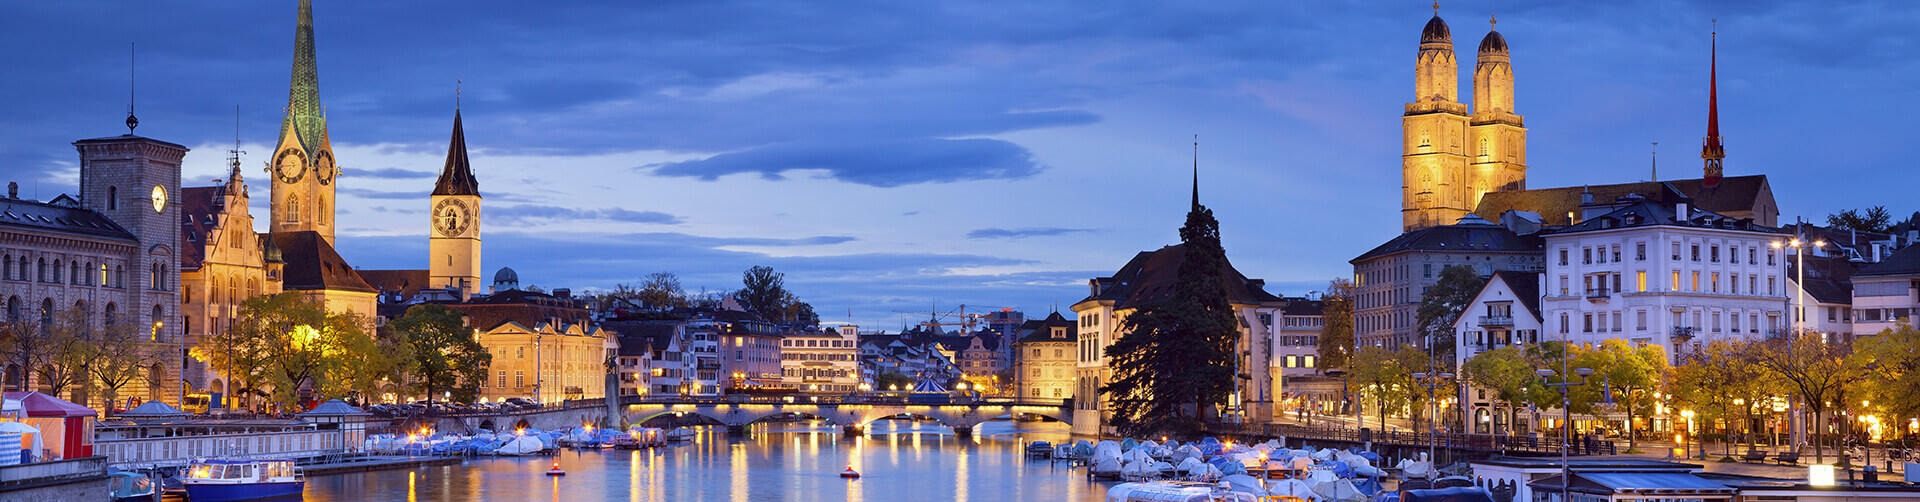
[205, 492]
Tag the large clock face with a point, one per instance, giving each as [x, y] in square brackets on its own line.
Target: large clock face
[159, 196]
[452, 217]
[290, 165]
[323, 167]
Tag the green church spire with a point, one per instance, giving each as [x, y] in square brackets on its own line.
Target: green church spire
[303, 98]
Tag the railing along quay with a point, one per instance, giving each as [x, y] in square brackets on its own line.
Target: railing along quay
[1476, 442]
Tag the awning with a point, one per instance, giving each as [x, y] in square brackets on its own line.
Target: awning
[41, 405]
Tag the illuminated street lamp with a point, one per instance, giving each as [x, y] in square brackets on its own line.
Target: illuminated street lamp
[1800, 297]
[1566, 423]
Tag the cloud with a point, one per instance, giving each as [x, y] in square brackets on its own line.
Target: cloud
[527, 212]
[1022, 233]
[880, 164]
[392, 173]
[382, 194]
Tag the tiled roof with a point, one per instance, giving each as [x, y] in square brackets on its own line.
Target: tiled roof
[1041, 330]
[22, 214]
[528, 308]
[1151, 275]
[406, 282]
[457, 177]
[1525, 286]
[1906, 261]
[1733, 194]
[1462, 237]
[656, 335]
[312, 264]
[1303, 307]
[1641, 212]
[1829, 291]
[200, 209]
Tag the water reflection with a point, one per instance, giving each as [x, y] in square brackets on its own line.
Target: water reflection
[898, 460]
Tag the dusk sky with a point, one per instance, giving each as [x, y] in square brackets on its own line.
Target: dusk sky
[894, 154]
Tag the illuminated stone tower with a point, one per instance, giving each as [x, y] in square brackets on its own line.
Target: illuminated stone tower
[454, 246]
[1433, 165]
[1499, 135]
[302, 165]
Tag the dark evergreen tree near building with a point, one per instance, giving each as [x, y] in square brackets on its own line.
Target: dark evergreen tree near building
[1174, 360]
[1441, 305]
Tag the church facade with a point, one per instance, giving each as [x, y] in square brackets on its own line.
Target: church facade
[1451, 155]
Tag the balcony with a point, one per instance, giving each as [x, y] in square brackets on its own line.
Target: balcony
[1598, 295]
[1684, 331]
[1496, 320]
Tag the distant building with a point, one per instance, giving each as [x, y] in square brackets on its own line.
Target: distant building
[544, 346]
[823, 361]
[1298, 368]
[1886, 294]
[1046, 361]
[1389, 280]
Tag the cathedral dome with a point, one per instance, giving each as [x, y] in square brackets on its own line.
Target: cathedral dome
[1436, 32]
[1493, 43]
[506, 277]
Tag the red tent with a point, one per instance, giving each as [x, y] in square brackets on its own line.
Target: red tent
[59, 418]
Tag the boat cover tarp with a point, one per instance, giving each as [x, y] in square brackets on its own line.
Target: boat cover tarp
[524, 445]
[1456, 494]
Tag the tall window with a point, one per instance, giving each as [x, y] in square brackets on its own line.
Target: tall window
[1640, 251]
[113, 198]
[293, 208]
[1640, 281]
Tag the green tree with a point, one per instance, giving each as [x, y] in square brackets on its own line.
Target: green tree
[1721, 380]
[1812, 369]
[1893, 361]
[662, 290]
[891, 380]
[1336, 329]
[1632, 373]
[1508, 373]
[1386, 376]
[1179, 352]
[1442, 304]
[446, 356]
[763, 291]
[301, 345]
[1873, 219]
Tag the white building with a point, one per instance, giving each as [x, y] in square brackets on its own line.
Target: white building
[1632, 269]
[1505, 313]
[826, 361]
[1887, 293]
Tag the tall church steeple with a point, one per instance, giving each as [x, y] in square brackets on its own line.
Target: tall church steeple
[453, 246]
[1433, 160]
[302, 164]
[1710, 149]
[1499, 135]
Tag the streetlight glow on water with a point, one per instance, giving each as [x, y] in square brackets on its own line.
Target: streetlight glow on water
[897, 460]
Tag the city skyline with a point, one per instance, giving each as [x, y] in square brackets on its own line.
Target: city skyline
[1052, 181]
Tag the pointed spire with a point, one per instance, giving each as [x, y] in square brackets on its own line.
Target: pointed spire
[457, 177]
[132, 121]
[1196, 170]
[233, 156]
[304, 113]
[1711, 150]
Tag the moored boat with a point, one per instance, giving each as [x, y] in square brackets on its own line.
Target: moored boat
[132, 486]
[231, 480]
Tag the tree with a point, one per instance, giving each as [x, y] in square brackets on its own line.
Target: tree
[1813, 370]
[72, 351]
[1387, 377]
[1336, 329]
[1178, 352]
[301, 345]
[29, 346]
[122, 355]
[1442, 304]
[1892, 359]
[1873, 219]
[1627, 374]
[662, 290]
[891, 381]
[446, 356]
[1508, 373]
[763, 291]
[1720, 380]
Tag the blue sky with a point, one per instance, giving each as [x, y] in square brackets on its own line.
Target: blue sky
[897, 155]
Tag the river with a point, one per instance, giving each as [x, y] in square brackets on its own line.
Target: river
[898, 460]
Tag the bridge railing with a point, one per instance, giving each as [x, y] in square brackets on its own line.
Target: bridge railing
[875, 398]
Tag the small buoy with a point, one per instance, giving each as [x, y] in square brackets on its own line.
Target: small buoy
[849, 473]
[555, 471]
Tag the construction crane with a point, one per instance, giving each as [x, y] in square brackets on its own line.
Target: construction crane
[960, 316]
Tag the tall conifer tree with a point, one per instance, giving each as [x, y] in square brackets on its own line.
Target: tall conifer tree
[1175, 360]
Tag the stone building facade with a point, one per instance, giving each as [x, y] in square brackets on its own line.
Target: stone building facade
[1450, 157]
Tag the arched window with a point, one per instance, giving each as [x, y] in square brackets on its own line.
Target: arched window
[233, 290]
[82, 275]
[41, 273]
[111, 315]
[293, 208]
[6, 267]
[13, 310]
[46, 313]
[113, 198]
[119, 276]
[103, 275]
[56, 271]
[73, 272]
[157, 321]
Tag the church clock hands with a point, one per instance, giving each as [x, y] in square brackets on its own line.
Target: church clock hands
[290, 165]
[159, 196]
[323, 167]
[451, 217]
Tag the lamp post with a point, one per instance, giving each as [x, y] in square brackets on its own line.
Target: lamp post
[1688, 414]
[1800, 270]
[1566, 423]
[1432, 382]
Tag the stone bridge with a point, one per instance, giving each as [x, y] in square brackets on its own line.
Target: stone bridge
[853, 413]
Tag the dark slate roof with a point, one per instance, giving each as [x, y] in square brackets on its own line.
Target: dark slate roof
[1493, 42]
[200, 209]
[1829, 291]
[312, 264]
[457, 177]
[22, 214]
[1303, 307]
[655, 335]
[406, 282]
[1151, 275]
[1461, 238]
[1903, 262]
[1733, 194]
[1041, 330]
[525, 307]
[1641, 212]
[1525, 286]
[1436, 31]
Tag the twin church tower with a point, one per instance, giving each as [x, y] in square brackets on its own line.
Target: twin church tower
[1451, 156]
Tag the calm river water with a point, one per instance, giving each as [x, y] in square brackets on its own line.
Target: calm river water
[899, 461]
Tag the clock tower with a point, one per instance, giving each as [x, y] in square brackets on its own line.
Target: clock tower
[302, 166]
[454, 245]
